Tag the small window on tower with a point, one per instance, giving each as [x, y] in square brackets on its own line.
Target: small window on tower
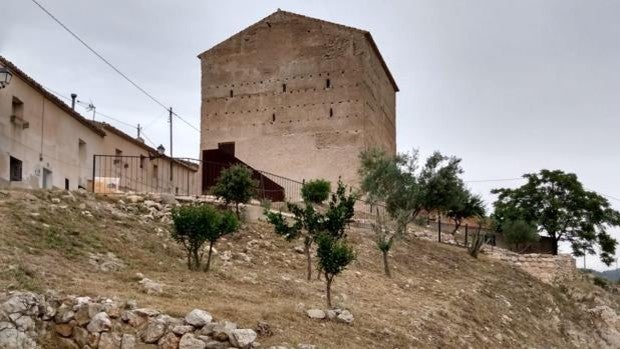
[231, 93]
[328, 83]
[331, 112]
[283, 87]
[273, 117]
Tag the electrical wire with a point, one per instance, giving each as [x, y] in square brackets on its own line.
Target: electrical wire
[107, 62]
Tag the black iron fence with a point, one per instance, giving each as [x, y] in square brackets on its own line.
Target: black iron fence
[143, 174]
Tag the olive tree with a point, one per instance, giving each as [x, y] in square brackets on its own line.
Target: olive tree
[195, 225]
[334, 254]
[235, 185]
[518, 233]
[465, 205]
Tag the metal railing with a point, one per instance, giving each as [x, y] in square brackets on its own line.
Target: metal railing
[143, 174]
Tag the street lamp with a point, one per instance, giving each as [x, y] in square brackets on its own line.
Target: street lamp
[5, 77]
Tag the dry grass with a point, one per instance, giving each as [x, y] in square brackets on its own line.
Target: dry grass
[438, 297]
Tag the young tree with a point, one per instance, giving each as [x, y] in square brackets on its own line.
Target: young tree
[478, 239]
[334, 254]
[406, 191]
[235, 185]
[307, 219]
[519, 233]
[194, 225]
[558, 205]
[384, 240]
[466, 205]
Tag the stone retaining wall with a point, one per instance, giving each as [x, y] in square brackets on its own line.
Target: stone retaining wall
[31, 321]
[547, 268]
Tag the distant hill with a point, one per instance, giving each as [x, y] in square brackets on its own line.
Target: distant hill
[611, 275]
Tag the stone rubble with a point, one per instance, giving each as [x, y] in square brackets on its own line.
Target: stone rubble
[32, 321]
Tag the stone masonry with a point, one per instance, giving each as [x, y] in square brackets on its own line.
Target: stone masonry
[299, 97]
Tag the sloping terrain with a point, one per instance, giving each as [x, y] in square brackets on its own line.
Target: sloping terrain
[438, 297]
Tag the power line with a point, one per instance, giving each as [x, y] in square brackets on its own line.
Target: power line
[148, 139]
[494, 180]
[99, 55]
[110, 64]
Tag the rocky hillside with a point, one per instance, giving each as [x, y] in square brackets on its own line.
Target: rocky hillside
[58, 244]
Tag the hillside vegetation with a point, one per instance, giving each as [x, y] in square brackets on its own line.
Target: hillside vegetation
[438, 297]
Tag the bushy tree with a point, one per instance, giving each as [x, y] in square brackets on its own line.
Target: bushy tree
[235, 185]
[559, 206]
[407, 190]
[334, 254]
[316, 191]
[309, 222]
[519, 233]
[194, 225]
[465, 205]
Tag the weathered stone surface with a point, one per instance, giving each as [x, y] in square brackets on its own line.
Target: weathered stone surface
[110, 341]
[242, 338]
[99, 323]
[151, 287]
[213, 344]
[315, 313]
[85, 338]
[64, 314]
[169, 341]
[11, 338]
[65, 330]
[189, 341]
[66, 343]
[182, 329]
[128, 341]
[198, 318]
[153, 331]
[345, 316]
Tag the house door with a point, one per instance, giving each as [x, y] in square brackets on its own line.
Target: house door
[47, 179]
[227, 147]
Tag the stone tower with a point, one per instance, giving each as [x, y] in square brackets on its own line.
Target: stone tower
[298, 97]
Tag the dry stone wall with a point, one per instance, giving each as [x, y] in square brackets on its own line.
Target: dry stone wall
[547, 268]
[31, 321]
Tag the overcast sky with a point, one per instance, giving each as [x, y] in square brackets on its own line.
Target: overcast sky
[509, 86]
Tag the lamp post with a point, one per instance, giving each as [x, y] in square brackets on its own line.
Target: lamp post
[5, 77]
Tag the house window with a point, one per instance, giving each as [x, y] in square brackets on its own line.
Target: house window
[15, 166]
[118, 155]
[142, 159]
[81, 150]
[17, 108]
[328, 83]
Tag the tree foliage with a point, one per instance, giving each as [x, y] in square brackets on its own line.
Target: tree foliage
[559, 206]
[334, 254]
[384, 239]
[316, 191]
[309, 221]
[194, 225]
[465, 205]
[235, 185]
[519, 233]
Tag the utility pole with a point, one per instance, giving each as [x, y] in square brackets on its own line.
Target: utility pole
[170, 121]
[139, 129]
[171, 161]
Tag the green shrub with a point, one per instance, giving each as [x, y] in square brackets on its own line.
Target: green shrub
[316, 191]
[519, 233]
[235, 185]
[194, 225]
[601, 282]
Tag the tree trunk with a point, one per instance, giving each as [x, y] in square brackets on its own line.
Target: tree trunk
[307, 244]
[189, 259]
[237, 210]
[386, 266]
[328, 290]
[196, 260]
[555, 247]
[209, 256]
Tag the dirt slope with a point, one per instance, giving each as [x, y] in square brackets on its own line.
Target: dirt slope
[438, 297]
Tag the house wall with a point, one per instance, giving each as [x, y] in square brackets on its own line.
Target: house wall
[290, 131]
[57, 143]
[49, 143]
